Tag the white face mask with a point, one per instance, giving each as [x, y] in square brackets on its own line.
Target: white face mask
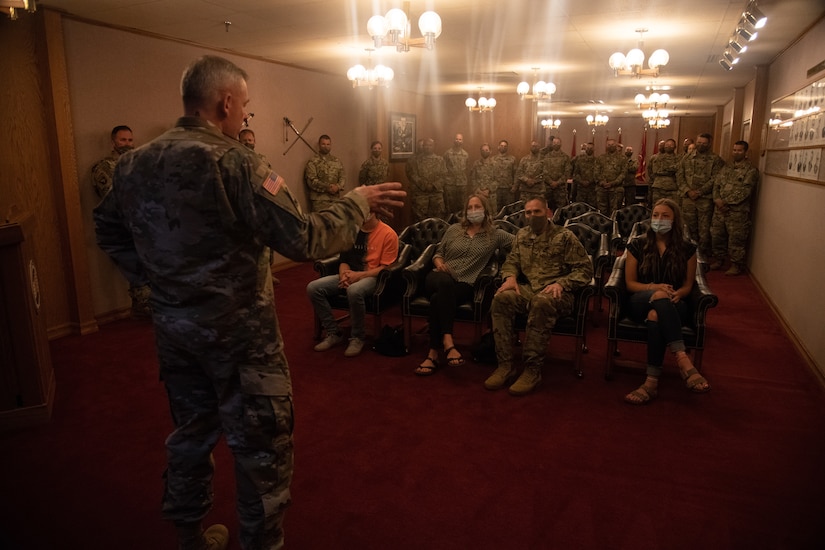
[661, 226]
[476, 216]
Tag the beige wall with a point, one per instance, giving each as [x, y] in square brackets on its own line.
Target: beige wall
[787, 252]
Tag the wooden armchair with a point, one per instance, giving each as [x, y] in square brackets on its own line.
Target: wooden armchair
[621, 328]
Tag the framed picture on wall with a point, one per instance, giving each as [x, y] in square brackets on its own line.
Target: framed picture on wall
[746, 131]
[402, 136]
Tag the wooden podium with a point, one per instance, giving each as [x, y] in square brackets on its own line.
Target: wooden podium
[26, 375]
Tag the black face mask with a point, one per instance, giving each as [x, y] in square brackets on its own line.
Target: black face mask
[123, 148]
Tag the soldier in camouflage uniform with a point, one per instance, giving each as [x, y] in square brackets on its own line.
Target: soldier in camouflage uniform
[661, 173]
[483, 178]
[122, 141]
[530, 174]
[584, 176]
[732, 191]
[375, 169]
[558, 168]
[455, 186]
[102, 171]
[546, 265]
[198, 212]
[695, 177]
[505, 175]
[629, 183]
[427, 172]
[324, 176]
[247, 139]
[611, 168]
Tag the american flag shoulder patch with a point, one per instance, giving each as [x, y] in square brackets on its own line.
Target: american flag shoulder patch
[273, 183]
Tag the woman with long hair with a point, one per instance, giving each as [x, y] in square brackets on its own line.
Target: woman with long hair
[659, 274]
[462, 254]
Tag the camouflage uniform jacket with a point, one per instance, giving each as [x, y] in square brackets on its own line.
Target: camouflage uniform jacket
[557, 166]
[661, 171]
[199, 211]
[456, 162]
[611, 167]
[373, 171]
[697, 173]
[505, 170]
[531, 166]
[735, 184]
[584, 169]
[555, 256]
[483, 175]
[102, 173]
[427, 173]
[631, 167]
[321, 172]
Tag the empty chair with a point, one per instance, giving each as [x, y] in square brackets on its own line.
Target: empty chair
[626, 217]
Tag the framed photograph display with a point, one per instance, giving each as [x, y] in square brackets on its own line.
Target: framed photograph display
[796, 135]
[402, 136]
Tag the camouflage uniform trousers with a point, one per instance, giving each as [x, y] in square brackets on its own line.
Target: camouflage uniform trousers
[140, 301]
[629, 194]
[609, 200]
[503, 197]
[698, 215]
[729, 233]
[428, 205]
[586, 195]
[542, 312]
[659, 193]
[535, 192]
[556, 198]
[454, 198]
[247, 404]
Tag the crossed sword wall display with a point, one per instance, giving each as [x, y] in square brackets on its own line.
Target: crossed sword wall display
[300, 135]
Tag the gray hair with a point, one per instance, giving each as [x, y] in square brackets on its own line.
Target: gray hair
[206, 78]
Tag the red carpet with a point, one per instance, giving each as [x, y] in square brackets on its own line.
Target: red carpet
[385, 459]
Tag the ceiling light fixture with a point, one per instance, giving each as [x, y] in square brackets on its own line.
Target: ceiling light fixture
[746, 31]
[540, 88]
[393, 29]
[483, 105]
[632, 63]
[654, 109]
[754, 15]
[380, 75]
[598, 120]
[11, 7]
[551, 123]
[735, 45]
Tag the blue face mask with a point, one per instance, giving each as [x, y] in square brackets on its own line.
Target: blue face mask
[661, 226]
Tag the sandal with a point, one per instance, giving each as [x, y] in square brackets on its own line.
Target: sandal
[643, 395]
[693, 381]
[454, 361]
[427, 370]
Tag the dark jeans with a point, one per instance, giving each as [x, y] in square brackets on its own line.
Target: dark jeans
[446, 294]
[666, 331]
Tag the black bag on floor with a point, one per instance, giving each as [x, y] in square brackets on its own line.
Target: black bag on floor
[485, 350]
[391, 342]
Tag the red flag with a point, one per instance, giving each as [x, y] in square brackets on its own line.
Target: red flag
[640, 173]
[573, 150]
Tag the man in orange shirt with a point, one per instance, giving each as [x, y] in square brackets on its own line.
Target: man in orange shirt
[375, 248]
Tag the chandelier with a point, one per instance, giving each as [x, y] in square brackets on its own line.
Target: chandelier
[550, 123]
[654, 109]
[631, 64]
[746, 30]
[380, 75]
[393, 29]
[483, 105]
[540, 88]
[598, 120]
[11, 7]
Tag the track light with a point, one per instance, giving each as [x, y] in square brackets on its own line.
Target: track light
[745, 33]
[733, 43]
[754, 16]
[725, 65]
[728, 56]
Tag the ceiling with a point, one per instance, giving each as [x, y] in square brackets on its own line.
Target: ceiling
[490, 45]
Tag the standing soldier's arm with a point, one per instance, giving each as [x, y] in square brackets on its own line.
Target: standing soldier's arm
[313, 178]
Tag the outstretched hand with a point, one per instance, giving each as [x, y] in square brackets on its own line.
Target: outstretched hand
[382, 198]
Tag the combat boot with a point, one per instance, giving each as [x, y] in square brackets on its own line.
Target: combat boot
[501, 377]
[191, 537]
[527, 382]
[734, 270]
